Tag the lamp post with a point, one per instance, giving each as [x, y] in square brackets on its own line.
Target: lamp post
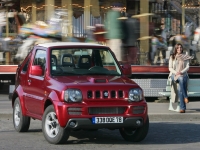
[183, 16]
[144, 29]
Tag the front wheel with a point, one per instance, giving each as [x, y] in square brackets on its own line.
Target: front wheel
[137, 134]
[51, 128]
[21, 123]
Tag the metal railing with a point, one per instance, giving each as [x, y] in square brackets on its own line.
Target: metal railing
[78, 25]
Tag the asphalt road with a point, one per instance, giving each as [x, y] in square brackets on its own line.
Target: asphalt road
[168, 131]
[162, 136]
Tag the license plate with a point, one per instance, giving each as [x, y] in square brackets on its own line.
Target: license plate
[99, 120]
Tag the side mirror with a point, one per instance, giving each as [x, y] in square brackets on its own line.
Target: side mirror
[36, 70]
[126, 69]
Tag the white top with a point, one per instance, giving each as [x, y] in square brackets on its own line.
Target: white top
[173, 64]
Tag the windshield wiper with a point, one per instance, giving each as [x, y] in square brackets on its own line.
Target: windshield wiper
[56, 73]
[97, 73]
[66, 73]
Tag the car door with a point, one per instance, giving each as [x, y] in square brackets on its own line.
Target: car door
[35, 85]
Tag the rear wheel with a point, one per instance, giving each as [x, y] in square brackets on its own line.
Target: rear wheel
[137, 134]
[21, 123]
[53, 132]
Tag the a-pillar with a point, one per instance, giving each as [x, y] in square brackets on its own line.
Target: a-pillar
[144, 31]
[49, 9]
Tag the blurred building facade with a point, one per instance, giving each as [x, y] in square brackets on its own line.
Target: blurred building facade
[167, 15]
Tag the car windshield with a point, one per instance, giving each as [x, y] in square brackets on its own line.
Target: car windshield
[83, 61]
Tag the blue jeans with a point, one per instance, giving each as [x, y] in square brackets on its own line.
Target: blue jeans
[182, 90]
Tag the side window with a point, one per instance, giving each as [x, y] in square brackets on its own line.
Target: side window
[24, 69]
[40, 58]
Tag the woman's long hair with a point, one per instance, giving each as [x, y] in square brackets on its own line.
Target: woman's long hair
[175, 50]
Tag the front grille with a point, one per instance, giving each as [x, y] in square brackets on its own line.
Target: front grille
[113, 94]
[74, 113]
[97, 94]
[74, 110]
[138, 109]
[89, 94]
[120, 94]
[106, 110]
[105, 94]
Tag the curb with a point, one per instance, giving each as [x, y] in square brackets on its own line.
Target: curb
[180, 117]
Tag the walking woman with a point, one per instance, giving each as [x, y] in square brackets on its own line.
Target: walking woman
[178, 67]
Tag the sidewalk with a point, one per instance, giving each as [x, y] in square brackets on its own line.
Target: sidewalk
[156, 111]
[160, 112]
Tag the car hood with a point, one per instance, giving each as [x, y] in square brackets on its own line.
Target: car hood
[94, 80]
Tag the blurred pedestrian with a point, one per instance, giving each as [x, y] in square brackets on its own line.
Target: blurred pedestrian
[99, 34]
[90, 34]
[114, 30]
[158, 49]
[178, 67]
[131, 29]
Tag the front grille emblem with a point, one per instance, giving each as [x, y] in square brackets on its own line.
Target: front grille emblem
[105, 94]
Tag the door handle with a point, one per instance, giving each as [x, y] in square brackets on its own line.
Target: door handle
[29, 81]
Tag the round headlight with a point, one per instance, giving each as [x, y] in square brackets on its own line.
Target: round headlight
[73, 95]
[135, 95]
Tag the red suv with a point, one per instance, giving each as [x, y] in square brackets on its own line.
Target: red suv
[71, 86]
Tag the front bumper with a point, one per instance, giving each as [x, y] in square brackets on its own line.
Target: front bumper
[82, 113]
[86, 123]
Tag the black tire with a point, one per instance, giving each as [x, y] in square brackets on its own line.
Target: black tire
[52, 131]
[21, 123]
[135, 135]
